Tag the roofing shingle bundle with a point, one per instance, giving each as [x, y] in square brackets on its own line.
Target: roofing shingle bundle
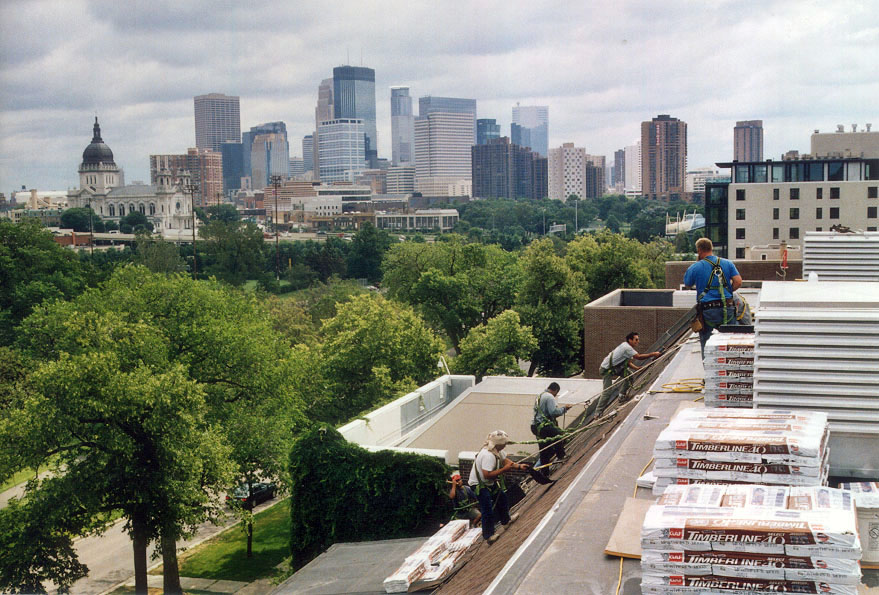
[757, 446]
[436, 558]
[751, 538]
[729, 370]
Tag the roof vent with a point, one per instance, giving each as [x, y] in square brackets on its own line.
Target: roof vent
[854, 127]
[868, 125]
[817, 131]
[840, 128]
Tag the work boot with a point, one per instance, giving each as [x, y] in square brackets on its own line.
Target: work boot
[513, 518]
[492, 539]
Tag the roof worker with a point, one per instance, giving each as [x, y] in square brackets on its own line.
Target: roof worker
[715, 280]
[486, 479]
[617, 364]
[464, 499]
[545, 426]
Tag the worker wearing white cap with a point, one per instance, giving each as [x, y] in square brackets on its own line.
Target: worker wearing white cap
[486, 479]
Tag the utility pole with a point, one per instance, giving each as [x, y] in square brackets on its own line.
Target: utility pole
[576, 205]
[192, 188]
[276, 181]
[91, 231]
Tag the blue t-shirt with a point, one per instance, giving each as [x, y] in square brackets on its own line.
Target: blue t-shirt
[699, 273]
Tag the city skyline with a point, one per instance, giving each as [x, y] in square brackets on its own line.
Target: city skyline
[600, 72]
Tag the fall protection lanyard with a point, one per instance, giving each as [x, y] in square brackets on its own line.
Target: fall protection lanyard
[610, 371]
[498, 482]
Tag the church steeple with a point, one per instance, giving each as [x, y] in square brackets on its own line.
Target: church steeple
[96, 136]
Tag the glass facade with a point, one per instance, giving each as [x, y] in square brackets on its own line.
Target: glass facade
[716, 205]
[354, 97]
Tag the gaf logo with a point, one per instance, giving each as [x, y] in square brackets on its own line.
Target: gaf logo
[676, 533]
[683, 462]
[676, 581]
[676, 557]
[681, 444]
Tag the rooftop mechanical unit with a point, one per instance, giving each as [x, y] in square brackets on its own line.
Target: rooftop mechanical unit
[841, 256]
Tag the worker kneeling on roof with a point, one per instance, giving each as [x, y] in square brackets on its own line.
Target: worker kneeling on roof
[545, 426]
[617, 365]
[486, 479]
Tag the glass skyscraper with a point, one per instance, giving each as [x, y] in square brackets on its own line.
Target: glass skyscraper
[354, 97]
[535, 120]
[487, 129]
[402, 126]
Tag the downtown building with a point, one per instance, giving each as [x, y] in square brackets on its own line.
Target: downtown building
[341, 149]
[247, 139]
[201, 167]
[354, 99]
[664, 158]
[572, 171]
[632, 185]
[402, 127]
[217, 120]
[773, 201]
[505, 170]
[748, 141]
[445, 130]
[269, 156]
[531, 127]
[487, 129]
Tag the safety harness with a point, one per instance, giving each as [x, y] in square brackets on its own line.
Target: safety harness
[498, 482]
[547, 421]
[716, 273]
[611, 369]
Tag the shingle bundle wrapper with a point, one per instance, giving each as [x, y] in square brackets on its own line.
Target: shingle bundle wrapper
[768, 446]
[436, 558]
[751, 538]
[729, 370]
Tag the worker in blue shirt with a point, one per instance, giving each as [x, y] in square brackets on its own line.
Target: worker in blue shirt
[715, 280]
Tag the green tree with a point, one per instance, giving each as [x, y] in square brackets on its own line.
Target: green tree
[225, 212]
[455, 285]
[33, 269]
[551, 302]
[608, 261]
[233, 251]
[135, 221]
[496, 347]
[371, 351]
[82, 219]
[327, 259]
[157, 255]
[612, 223]
[138, 392]
[365, 256]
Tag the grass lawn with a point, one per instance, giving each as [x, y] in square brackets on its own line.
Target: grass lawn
[19, 477]
[224, 557]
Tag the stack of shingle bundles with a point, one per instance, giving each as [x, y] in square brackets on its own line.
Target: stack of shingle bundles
[436, 558]
[758, 446]
[729, 370]
[750, 538]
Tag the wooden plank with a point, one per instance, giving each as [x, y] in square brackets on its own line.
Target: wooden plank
[625, 541]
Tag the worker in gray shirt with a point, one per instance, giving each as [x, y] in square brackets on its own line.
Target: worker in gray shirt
[617, 364]
[545, 426]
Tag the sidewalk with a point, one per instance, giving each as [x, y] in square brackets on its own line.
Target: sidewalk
[209, 585]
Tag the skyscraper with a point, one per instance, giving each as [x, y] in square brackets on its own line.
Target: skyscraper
[342, 149]
[536, 119]
[402, 126]
[619, 170]
[354, 98]
[664, 158]
[247, 142]
[269, 156]
[520, 135]
[323, 112]
[748, 140]
[233, 165]
[217, 120]
[633, 167]
[442, 150]
[308, 152]
[567, 172]
[487, 129]
[504, 170]
[450, 105]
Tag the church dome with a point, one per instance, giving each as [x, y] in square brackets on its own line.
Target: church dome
[97, 152]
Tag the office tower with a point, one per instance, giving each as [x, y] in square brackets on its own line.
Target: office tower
[454, 105]
[202, 167]
[308, 152]
[442, 150]
[633, 168]
[618, 180]
[505, 170]
[520, 135]
[594, 178]
[247, 142]
[354, 98]
[487, 129]
[342, 149]
[401, 179]
[323, 112]
[663, 158]
[402, 126]
[217, 120]
[297, 167]
[536, 119]
[748, 140]
[567, 172]
[233, 165]
[269, 156]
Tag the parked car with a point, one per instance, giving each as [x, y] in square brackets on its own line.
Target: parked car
[261, 492]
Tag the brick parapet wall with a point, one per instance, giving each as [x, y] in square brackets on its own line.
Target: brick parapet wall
[751, 270]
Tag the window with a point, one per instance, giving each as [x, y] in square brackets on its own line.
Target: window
[742, 176]
[774, 233]
[819, 193]
[819, 229]
[871, 229]
[131, 208]
[112, 210]
[815, 172]
[795, 194]
[760, 174]
[794, 213]
[775, 213]
[740, 253]
[142, 209]
[871, 212]
[835, 171]
[740, 214]
[794, 233]
[872, 191]
[740, 194]
[775, 194]
[121, 210]
[834, 192]
[778, 172]
[152, 208]
[819, 213]
[740, 233]
[834, 212]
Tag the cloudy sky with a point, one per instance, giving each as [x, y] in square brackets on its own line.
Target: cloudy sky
[602, 67]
